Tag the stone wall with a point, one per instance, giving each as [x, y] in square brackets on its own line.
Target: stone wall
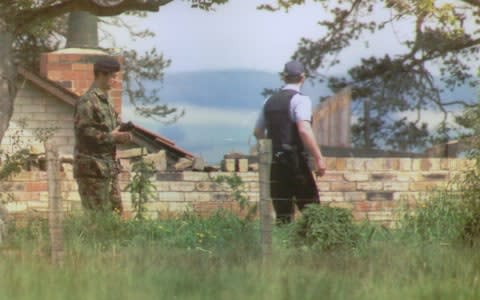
[372, 188]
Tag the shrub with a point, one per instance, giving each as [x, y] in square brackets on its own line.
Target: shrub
[442, 217]
[141, 187]
[325, 228]
[469, 181]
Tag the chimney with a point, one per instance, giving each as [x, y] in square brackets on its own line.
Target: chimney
[87, 37]
[72, 67]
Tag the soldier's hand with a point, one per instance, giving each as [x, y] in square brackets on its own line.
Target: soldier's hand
[320, 167]
[121, 137]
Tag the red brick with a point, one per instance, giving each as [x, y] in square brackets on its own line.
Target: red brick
[74, 75]
[52, 58]
[43, 64]
[59, 67]
[362, 206]
[83, 84]
[425, 165]
[36, 187]
[88, 76]
[82, 67]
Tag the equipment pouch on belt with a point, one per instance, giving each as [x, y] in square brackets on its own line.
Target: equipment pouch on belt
[94, 167]
[295, 159]
[288, 158]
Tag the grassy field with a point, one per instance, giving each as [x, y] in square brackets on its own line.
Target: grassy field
[218, 258]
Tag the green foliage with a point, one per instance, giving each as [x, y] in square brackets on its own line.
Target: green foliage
[238, 193]
[14, 163]
[325, 228]
[140, 69]
[386, 87]
[206, 4]
[469, 182]
[43, 134]
[149, 272]
[21, 157]
[190, 257]
[440, 218]
[141, 186]
[220, 235]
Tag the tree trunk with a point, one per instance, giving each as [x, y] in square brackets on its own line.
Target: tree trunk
[8, 88]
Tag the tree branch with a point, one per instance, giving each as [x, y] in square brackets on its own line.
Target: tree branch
[29, 16]
[458, 102]
[472, 2]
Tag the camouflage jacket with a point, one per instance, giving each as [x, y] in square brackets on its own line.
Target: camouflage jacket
[94, 118]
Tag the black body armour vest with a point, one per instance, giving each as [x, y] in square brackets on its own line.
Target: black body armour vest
[280, 128]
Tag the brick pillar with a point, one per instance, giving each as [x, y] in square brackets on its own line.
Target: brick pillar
[73, 70]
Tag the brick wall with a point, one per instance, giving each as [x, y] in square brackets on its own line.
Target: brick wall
[39, 110]
[371, 188]
[73, 69]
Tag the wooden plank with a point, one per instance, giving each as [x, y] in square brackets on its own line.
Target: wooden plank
[332, 120]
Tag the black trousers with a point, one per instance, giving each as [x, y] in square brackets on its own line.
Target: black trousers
[292, 183]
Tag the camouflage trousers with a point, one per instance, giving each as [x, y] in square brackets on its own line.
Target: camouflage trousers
[100, 194]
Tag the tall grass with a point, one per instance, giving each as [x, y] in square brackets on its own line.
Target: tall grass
[152, 272]
[217, 258]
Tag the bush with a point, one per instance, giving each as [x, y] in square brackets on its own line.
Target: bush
[442, 217]
[469, 181]
[325, 228]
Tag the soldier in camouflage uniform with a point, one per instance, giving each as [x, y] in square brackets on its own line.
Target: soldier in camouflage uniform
[96, 136]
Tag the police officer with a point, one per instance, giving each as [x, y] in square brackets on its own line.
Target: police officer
[96, 136]
[286, 118]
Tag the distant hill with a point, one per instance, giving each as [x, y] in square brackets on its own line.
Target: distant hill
[224, 89]
[209, 96]
[221, 108]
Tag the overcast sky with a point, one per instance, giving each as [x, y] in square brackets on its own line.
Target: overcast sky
[238, 36]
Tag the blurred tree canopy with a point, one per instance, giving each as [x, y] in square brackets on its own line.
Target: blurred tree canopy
[30, 27]
[438, 54]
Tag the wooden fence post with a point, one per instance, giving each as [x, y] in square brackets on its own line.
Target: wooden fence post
[55, 209]
[265, 161]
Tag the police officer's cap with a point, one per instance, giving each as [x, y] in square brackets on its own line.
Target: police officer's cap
[293, 68]
[106, 65]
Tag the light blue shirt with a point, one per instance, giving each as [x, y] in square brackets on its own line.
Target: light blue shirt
[300, 108]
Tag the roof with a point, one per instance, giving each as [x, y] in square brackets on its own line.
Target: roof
[151, 138]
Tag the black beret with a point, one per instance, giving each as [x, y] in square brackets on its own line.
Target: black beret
[106, 65]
